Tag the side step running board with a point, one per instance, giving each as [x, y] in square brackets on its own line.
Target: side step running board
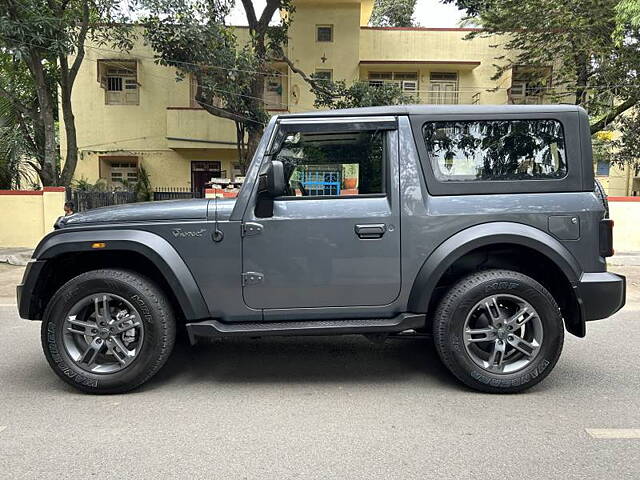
[216, 328]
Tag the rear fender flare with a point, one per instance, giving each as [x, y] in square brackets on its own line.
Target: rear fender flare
[153, 247]
[482, 235]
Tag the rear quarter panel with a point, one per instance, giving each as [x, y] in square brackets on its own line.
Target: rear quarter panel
[428, 221]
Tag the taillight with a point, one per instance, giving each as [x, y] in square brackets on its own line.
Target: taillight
[606, 237]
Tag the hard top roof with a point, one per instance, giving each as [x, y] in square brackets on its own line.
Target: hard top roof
[435, 109]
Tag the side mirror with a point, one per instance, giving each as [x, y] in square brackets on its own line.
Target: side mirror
[272, 180]
[270, 185]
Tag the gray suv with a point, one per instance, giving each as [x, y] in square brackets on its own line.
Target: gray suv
[478, 225]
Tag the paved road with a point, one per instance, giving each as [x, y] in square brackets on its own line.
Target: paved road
[321, 408]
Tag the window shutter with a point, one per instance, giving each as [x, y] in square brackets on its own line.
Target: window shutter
[102, 74]
[409, 85]
[131, 91]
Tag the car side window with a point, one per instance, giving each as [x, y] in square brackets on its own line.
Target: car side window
[496, 150]
[333, 164]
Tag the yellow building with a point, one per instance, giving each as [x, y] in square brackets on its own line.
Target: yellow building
[131, 112]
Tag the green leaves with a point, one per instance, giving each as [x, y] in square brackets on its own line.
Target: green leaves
[590, 46]
[359, 94]
[47, 38]
[626, 147]
[393, 13]
[227, 67]
[16, 149]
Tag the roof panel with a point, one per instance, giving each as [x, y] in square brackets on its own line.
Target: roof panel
[434, 110]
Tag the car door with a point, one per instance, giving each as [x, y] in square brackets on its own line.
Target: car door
[334, 237]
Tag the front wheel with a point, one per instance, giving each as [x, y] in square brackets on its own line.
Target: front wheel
[108, 331]
[499, 331]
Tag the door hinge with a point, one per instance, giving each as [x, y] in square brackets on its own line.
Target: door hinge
[252, 278]
[251, 228]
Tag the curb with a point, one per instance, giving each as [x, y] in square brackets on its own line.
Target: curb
[18, 257]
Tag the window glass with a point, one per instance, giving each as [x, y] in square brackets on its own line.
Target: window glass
[603, 167]
[324, 74]
[324, 33]
[343, 164]
[494, 150]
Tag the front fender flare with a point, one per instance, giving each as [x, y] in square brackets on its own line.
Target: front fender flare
[483, 235]
[153, 247]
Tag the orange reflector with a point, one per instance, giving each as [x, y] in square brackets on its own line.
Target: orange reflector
[98, 245]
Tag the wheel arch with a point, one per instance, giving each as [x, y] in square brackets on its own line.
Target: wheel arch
[66, 254]
[501, 245]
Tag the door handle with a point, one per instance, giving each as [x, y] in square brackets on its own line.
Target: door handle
[370, 230]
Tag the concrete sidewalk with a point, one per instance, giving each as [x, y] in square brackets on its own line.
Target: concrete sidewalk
[15, 256]
[625, 259]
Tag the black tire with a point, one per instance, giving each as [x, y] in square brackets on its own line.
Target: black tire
[157, 320]
[458, 303]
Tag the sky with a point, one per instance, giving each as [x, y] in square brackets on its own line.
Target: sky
[428, 13]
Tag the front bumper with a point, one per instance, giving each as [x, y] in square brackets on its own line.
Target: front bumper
[601, 294]
[29, 306]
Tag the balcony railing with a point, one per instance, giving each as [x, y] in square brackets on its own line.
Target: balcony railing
[451, 97]
[526, 99]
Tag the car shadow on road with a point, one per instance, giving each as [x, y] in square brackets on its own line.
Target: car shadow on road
[304, 360]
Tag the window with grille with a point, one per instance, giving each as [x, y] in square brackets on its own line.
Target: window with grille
[114, 84]
[333, 164]
[123, 172]
[444, 76]
[119, 79]
[324, 33]
[274, 97]
[443, 88]
[529, 85]
[407, 81]
[324, 74]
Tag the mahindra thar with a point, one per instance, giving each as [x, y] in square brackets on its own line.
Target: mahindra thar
[478, 225]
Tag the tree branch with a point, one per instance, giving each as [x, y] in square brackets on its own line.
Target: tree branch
[82, 36]
[311, 81]
[267, 14]
[610, 116]
[250, 13]
[217, 111]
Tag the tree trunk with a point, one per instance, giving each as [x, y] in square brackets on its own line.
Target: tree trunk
[68, 76]
[253, 139]
[49, 171]
[582, 77]
[254, 130]
[71, 158]
[241, 147]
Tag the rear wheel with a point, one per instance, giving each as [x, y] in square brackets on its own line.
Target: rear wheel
[499, 331]
[108, 331]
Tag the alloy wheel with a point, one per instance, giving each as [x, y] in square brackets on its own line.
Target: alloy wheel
[503, 333]
[103, 333]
